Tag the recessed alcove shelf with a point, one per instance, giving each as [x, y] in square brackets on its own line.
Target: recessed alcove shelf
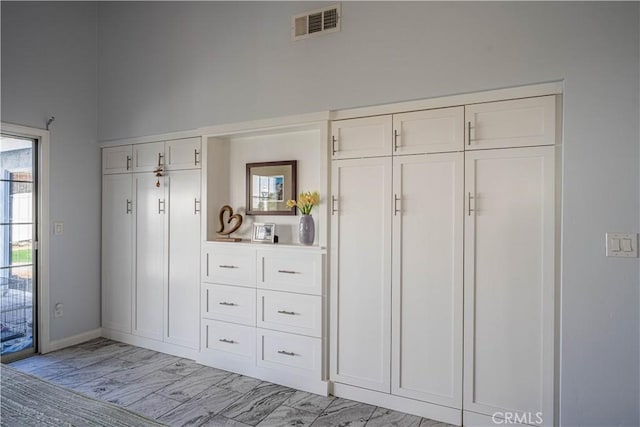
[224, 179]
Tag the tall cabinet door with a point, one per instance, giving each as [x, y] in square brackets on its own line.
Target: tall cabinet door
[149, 256]
[184, 257]
[361, 273]
[117, 246]
[509, 281]
[427, 278]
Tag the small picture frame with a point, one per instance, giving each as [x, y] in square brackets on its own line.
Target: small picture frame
[263, 232]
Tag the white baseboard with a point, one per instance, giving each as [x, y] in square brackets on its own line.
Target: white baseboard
[73, 340]
[397, 403]
[151, 344]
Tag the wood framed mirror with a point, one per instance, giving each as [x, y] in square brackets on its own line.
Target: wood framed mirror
[269, 186]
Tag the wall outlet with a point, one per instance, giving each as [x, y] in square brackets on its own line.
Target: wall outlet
[58, 310]
[58, 228]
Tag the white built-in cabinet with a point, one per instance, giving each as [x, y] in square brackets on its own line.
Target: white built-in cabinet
[151, 242]
[443, 261]
[262, 312]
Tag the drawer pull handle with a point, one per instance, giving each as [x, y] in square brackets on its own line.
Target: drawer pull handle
[288, 272]
[227, 303]
[290, 313]
[286, 353]
[224, 340]
[228, 266]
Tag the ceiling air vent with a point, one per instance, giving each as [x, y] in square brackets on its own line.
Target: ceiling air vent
[316, 22]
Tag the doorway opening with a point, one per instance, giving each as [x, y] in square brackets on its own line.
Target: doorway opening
[18, 246]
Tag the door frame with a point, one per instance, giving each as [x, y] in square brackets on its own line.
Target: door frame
[42, 137]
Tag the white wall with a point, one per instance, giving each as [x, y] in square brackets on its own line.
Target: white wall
[167, 67]
[49, 68]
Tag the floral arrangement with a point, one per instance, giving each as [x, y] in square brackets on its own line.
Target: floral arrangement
[306, 201]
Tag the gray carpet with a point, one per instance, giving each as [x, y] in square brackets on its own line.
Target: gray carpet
[29, 401]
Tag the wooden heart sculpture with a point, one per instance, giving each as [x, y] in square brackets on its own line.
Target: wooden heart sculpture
[232, 217]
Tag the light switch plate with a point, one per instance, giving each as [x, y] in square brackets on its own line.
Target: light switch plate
[622, 245]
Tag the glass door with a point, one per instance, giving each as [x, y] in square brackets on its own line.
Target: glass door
[17, 251]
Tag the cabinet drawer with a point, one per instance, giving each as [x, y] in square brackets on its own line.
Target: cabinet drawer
[229, 337]
[229, 303]
[290, 272]
[230, 266]
[300, 314]
[285, 351]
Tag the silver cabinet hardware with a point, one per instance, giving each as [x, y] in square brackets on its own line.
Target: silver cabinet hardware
[206, 345]
[395, 204]
[224, 340]
[333, 145]
[196, 153]
[396, 135]
[207, 266]
[129, 206]
[207, 310]
[469, 210]
[128, 162]
[228, 266]
[334, 199]
[288, 272]
[160, 159]
[469, 133]
[290, 313]
[286, 353]
[161, 206]
[196, 206]
[231, 304]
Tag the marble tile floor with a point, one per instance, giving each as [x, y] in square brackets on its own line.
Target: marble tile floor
[180, 392]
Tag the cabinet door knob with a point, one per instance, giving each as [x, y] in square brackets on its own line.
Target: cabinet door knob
[333, 145]
[396, 135]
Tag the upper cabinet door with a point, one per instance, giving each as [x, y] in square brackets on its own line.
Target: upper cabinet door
[356, 138]
[183, 154]
[430, 131]
[516, 123]
[117, 159]
[147, 157]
